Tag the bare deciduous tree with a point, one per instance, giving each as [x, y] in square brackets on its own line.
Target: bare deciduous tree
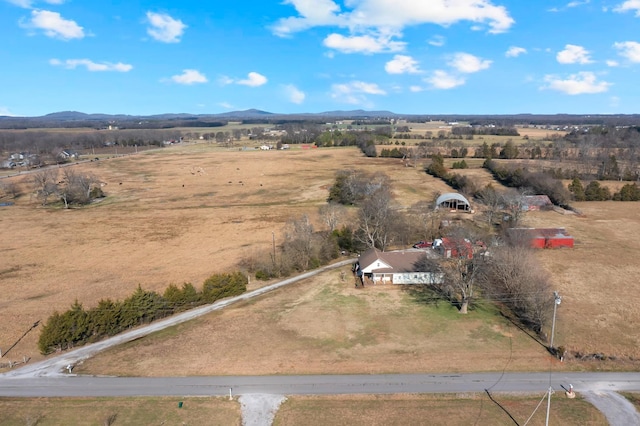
[10, 188]
[514, 202]
[493, 200]
[514, 278]
[463, 269]
[332, 214]
[45, 183]
[298, 247]
[76, 187]
[425, 219]
[376, 220]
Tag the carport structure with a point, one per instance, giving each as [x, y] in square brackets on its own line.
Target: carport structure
[454, 202]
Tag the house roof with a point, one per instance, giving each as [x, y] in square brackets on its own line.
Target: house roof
[452, 243]
[392, 261]
[451, 196]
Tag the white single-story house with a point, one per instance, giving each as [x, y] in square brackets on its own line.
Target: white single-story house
[397, 267]
[68, 154]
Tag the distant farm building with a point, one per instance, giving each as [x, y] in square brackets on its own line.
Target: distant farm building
[397, 267]
[453, 202]
[541, 238]
[536, 202]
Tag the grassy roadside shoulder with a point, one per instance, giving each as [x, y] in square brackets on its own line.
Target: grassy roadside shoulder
[118, 411]
[462, 409]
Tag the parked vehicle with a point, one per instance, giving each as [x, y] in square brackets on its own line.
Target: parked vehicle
[423, 244]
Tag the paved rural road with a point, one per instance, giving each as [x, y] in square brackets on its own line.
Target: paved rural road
[70, 386]
[48, 378]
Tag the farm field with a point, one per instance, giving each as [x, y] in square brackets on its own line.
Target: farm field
[172, 215]
[296, 410]
[186, 212]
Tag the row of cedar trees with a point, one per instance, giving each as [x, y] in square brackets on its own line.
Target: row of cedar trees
[78, 326]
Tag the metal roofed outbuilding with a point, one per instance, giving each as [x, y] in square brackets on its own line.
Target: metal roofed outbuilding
[453, 201]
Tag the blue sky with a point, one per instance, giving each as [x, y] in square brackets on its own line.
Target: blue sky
[287, 56]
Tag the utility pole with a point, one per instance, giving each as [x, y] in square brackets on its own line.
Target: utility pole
[548, 405]
[556, 302]
[273, 235]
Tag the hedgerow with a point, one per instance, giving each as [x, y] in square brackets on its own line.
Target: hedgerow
[77, 326]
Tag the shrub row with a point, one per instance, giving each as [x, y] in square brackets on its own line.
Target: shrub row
[596, 192]
[78, 326]
[540, 183]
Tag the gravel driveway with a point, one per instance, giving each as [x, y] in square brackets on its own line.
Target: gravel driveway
[616, 408]
[259, 409]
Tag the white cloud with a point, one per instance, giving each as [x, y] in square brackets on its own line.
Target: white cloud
[573, 54]
[577, 3]
[54, 1]
[437, 41]
[253, 80]
[443, 80]
[416, 89]
[21, 3]
[355, 92]
[629, 50]
[225, 80]
[312, 13]
[393, 14]
[54, 25]
[569, 5]
[577, 84]
[467, 63]
[189, 76]
[363, 44]
[629, 5]
[4, 111]
[515, 51]
[226, 105]
[91, 66]
[612, 63]
[164, 28]
[294, 94]
[402, 64]
[375, 25]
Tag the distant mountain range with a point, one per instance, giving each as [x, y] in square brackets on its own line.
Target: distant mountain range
[249, 113]
[80, 119]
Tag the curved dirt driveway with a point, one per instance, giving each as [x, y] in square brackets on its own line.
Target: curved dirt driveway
[57, 365]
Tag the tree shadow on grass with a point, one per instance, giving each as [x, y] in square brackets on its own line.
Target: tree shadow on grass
[525, 330]
[501, 407]
[433, 296]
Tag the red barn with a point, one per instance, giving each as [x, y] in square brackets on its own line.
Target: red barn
[542, 237]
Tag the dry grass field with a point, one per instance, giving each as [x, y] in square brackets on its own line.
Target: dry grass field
[186, 212]
[173, 215]
[122, 411]
[449, 410]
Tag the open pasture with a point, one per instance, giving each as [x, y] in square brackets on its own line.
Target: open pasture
[186, 212]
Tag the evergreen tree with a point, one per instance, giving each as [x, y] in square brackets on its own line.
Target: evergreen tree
[576, 188]
[629, 192]
[105, 319]
[595, 192]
